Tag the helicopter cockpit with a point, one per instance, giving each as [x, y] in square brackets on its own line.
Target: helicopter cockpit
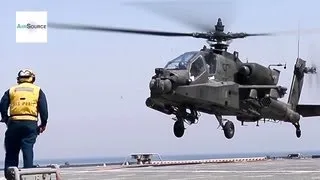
[197, 68]
[194, 62]
[181, 62]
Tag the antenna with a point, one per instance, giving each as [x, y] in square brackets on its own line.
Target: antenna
[299, 39]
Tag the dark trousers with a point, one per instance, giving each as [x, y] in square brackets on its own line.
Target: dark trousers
[20, 135]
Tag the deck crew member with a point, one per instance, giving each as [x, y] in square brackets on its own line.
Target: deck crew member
[26, 100]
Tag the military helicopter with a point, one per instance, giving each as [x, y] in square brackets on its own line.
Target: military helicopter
[215, 81]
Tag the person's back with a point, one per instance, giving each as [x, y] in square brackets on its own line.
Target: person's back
[25, 100]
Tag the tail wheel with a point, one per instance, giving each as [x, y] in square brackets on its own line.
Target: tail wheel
[298, 130]
[298, 133]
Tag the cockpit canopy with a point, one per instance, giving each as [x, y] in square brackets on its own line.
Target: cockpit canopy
[193, 62]
[200, 65]
[181, 62]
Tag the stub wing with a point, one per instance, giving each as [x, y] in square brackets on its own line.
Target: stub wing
[308, 110]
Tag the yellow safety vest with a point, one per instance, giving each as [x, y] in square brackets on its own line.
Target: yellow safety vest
[24, 101]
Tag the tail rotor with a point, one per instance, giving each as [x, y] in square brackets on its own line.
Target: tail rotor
[312, 69]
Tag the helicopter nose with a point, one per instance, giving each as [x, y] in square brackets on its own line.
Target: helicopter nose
[160, 86]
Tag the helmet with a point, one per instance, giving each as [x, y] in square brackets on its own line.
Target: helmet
[26, 75]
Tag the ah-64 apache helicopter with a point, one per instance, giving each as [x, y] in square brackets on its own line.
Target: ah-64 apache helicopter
[215, 81]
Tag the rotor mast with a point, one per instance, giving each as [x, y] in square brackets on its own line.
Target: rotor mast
[218, 34]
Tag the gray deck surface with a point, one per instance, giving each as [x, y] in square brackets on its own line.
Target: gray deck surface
[300, 169]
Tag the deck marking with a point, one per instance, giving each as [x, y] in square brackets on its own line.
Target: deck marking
[220, 171]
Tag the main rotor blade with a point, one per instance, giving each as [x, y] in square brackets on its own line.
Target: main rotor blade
[244, 35]
[259, 34]
[112, 29]
[295, 32]
[278, 33]
[210, 35]
[200, 14]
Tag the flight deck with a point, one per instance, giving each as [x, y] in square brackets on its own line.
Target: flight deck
[293, 167]
[298, 169]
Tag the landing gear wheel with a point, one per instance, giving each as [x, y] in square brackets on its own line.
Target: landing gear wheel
[298, 133]
[178, 128]
[229, 129]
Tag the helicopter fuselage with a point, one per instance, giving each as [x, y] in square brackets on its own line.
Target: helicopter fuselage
[218, 83]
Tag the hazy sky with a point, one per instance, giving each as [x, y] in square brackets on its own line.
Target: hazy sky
[85, 74]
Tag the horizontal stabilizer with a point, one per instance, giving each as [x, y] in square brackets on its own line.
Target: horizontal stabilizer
[308, 110]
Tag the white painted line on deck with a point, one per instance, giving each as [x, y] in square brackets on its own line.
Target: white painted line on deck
[197, 177]
[91, 171]
[216, 171]
[260, 176]
[126, 175]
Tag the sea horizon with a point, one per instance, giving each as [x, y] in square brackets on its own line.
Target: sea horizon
[168, 157]
[194, 156]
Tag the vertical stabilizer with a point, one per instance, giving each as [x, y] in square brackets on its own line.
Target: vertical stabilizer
[297, 83]
[297, 79]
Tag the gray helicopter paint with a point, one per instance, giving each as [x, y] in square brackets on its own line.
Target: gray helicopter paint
[248, 91]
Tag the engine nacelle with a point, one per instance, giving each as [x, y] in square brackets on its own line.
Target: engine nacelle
[256, 74]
